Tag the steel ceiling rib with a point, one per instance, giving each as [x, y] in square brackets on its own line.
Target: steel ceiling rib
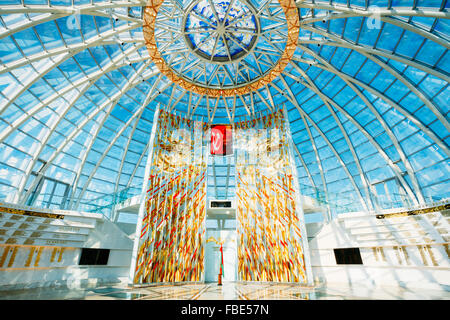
[23, 25]
[382, 96]
[70, 48]
[90, 81]
[384, 15]
[47, 17]
[379, 52]
[418, 92]
[40, 73]
[144, 152]
[150, 97]
[39, 14]
[125, 151]
[191, 114]
[344, 133]
[313, 184]
[403, 157]
[372, 11]
[294, 101]
[110, 102]
[69, 10]
[115, 64]
[100, 126]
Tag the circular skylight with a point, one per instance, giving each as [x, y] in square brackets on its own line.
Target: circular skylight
[223, 32]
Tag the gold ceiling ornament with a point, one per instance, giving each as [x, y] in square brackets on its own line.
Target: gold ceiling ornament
[293, 24]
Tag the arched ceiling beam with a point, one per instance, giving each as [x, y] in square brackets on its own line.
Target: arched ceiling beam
[116, 63]
[375, 11]
[100, 124]
[47, 17]
[387, 129]
[294, 101]
[318, 160]
[382, 96]
[138, 163]
[313, 184]
[385, 15]
[226, 109]
[379, 52]
[110, 102]
[362, 175]
[411, 86]
[191, 113]
[122, 162]
[25, 24]
[73, 9]
[150, 97]
[183, 93]
[391, 164]
[245, 105]
[7, 67]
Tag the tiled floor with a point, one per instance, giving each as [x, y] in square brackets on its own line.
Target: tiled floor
[228, 291]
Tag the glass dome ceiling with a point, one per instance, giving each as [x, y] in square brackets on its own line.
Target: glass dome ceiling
[366, 92]
[221, 32]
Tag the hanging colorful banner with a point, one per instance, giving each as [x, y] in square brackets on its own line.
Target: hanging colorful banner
[171, 237]
[268, 227]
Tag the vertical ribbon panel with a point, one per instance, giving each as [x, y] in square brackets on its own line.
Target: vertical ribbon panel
[268, 227]
[173, 227]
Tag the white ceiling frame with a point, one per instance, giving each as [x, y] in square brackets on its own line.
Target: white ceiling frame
[82, 9]
[398, 11]
[87, 82]
[110, 102]
[57, 61]
[114, 64]
[362, 174]
[294, 101]
[387, 129]
[384, 15]
[382, 96]
[64, 49]
[379, 52]
[150, 97]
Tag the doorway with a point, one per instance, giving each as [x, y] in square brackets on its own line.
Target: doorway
[220, 231]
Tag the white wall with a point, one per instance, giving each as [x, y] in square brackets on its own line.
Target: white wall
[407, 251]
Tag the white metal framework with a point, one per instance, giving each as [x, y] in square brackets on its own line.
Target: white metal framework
[366, 93]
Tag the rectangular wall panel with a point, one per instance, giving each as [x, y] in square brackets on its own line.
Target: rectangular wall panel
[171, 244]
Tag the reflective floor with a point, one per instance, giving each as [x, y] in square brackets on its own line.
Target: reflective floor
[228, 291]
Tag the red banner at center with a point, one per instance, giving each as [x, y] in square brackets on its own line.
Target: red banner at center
[221, 140]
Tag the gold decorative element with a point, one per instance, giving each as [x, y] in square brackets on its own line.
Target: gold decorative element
[31, 213]
[293, 24]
